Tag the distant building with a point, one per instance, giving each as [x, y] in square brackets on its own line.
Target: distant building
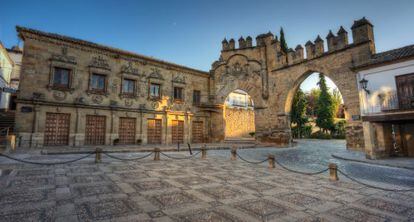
[16, 54]
[6, 69]
[386, 85]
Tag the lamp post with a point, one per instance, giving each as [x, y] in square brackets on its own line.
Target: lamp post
[364, 84]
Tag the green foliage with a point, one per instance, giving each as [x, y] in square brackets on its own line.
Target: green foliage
[298, 113]
[283, 44]
[336, 101]
[312, 98]
[301, 132]
[338, 131]
[324, 108]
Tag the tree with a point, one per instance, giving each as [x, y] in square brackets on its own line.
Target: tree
[283, 44]
[324, 108]
[312, 98]
[337, 101]
[298, 113]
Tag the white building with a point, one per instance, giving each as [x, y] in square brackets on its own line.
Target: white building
[6, 69]
[386, 86]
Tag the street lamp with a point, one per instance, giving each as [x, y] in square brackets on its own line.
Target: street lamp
[364, 84]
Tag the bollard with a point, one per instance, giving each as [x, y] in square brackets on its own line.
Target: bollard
[233, 153]
[157, 154]
[333, 172]
[271, 159]
[204, 152]
[98, 155]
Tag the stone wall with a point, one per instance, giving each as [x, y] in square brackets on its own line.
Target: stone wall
[239, 122]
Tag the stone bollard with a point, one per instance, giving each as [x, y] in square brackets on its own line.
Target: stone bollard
[157, 154]
[233, 153]
[333, 172]
[98, 155]
[11, 142]
[204, 152]
[271, 159]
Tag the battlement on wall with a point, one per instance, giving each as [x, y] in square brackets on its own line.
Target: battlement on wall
[362, 31]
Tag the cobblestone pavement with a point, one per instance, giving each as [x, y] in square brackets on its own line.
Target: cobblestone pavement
[313, 155]
[215, 189]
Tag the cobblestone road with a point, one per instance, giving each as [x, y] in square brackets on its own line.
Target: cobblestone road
[314, 155]
[215, 189]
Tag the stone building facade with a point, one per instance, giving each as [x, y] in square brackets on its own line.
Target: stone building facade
[75, 93]
[387, 103]
[93, 109]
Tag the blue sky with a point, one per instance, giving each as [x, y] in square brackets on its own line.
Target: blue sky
[190, 32]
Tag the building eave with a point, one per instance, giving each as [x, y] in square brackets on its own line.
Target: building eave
[23, 30]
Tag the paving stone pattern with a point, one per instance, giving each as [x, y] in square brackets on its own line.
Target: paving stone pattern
[180, 190]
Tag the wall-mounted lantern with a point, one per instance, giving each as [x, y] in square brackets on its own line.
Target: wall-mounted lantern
[364, 84]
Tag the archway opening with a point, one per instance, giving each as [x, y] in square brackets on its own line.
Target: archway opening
[239, 116]
[317, 109]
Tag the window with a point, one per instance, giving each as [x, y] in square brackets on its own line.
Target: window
[61, 77]
[196, 97]
[155, 90]
[178, 93]
[128, 86]
[98, 83]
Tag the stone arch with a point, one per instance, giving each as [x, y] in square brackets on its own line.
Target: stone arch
[239, 118]
[299, 80]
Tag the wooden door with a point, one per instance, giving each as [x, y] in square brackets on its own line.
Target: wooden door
[198, 132]
[127, 130]
[57, 129]
[405, 91]
[177, 131]
[95, 130]
[154, 131]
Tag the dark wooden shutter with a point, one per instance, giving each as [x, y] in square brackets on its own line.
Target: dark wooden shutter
[198, 132]
[154, 131]
[405, 91]
[95, 130]
[57, 129]
[177, 131]
[127, 130]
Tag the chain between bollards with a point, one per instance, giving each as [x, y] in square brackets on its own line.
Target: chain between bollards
[98, 155]
[157, 152]
[204, 152]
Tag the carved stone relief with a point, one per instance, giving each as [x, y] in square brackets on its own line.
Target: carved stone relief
[100, 62]
[128, 102]
[179, 78]
[97, 99]
[64, 57]
[130, 69]
[155, 105]
[155, 74]
[59, 95]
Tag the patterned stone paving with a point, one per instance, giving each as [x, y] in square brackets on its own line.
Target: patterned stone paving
[180, 190]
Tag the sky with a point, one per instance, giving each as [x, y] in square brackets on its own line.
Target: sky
[189, 32]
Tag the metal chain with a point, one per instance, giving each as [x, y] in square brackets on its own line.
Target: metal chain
[300, 172]
[371, 186]
[52, 163]
[127, 159]
[180, 158]
[252, 162]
